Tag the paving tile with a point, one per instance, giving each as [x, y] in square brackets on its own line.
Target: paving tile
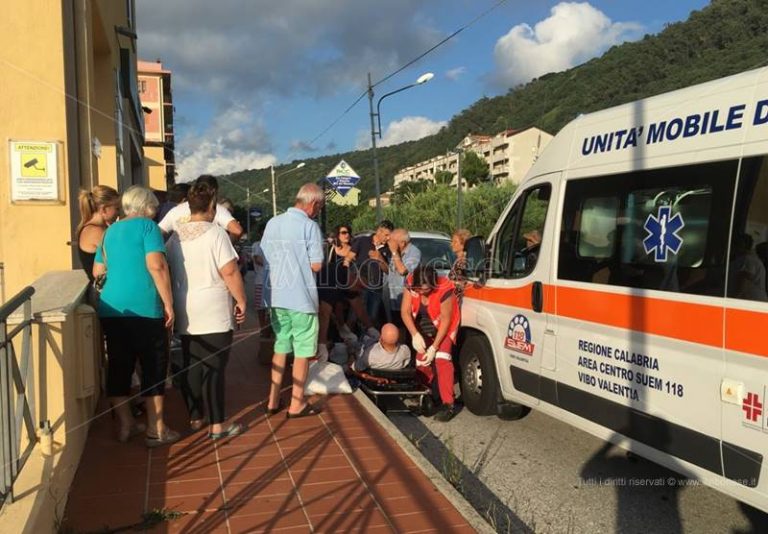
[237, 492]
[165, 474]
[180, 488]
[263, 504]
[267, 522]
[121, 479]
[331, 459]
[233, 460]
[407, 505]
[353, 500]
[312, 476]
[250, 474]
[425, 522]
[211, 501]
[197, 522]
[91, 514]
[343, 522]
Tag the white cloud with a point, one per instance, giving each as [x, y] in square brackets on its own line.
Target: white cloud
[455, 74]
[248, 52]
[573, 33]
[245, 49]
[212, 157]
[235, 140]
[405, 129]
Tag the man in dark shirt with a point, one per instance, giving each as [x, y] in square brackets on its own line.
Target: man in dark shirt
[372, 260]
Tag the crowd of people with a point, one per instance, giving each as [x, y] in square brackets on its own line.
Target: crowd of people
[172, 269]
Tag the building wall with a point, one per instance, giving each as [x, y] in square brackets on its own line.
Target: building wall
[59, 67]
[33, 236]
[154, 162]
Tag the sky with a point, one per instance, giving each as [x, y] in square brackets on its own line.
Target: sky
[262, 82]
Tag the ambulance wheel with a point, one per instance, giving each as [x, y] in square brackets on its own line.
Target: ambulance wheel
[427, 406]
[479, 384]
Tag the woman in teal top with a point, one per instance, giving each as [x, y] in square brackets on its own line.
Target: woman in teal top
[136, 310]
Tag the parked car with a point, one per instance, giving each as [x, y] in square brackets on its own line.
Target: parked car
[435, 249]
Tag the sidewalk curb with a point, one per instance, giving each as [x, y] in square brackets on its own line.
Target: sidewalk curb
[475, 520]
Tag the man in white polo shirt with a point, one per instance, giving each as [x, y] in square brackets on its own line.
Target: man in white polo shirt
[181, 214]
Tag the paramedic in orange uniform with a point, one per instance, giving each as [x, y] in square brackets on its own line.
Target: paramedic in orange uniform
[431, 314]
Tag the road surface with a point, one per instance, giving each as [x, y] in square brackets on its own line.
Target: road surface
[541, 475]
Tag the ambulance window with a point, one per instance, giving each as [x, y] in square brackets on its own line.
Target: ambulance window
[597, 229]
[662, 229]
[519, 240]
[749, 239]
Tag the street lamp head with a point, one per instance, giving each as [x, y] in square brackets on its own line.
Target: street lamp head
[424, 78]
[300, 165]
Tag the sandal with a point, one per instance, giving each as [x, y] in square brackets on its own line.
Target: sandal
[198, 424]
[273, 411]
[125, 434]
[165, 438]
[235, 429]
[307, 411]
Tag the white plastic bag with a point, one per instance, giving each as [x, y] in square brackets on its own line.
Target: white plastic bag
[325, 378]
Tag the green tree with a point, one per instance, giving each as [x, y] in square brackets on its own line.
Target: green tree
[474, 169]
[443, 177]
[406, 190]
[435, 210]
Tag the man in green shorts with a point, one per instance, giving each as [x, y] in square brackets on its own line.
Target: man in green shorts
[293, 252]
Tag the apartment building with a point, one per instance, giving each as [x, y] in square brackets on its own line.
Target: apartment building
[157, 103]
[509, 154]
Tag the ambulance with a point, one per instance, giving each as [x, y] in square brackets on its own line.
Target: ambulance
[623, 288]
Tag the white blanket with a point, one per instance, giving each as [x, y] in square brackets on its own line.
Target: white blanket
[325, 378]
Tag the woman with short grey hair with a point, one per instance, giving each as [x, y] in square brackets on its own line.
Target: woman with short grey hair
[136, 311]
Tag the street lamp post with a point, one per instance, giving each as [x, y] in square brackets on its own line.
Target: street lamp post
[376, 119]
[247, 190]
[274, 188]
[459, 192]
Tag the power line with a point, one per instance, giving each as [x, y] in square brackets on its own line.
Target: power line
[485, 13]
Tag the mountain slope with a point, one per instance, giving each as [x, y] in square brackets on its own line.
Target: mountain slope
[726, 37]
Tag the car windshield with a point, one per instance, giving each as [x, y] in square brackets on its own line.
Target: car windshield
[435, 252]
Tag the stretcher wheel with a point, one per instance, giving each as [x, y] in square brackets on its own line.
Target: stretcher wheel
[426, 406]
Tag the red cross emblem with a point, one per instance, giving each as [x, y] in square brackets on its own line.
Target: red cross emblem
[752, 406]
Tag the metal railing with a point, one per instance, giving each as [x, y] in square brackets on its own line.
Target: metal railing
[16, 393]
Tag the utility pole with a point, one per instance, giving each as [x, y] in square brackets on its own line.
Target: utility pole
[248, 220]
[377, 185]
[274, 193]
[459, 196]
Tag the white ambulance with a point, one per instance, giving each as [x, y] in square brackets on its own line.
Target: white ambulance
[623, 289]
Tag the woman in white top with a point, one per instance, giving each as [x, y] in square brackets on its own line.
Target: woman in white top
[205, 278]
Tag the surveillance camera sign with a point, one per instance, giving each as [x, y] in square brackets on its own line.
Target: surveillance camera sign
[34, 170]
[342, 178]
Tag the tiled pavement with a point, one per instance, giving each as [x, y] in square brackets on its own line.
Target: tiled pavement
[336, 472]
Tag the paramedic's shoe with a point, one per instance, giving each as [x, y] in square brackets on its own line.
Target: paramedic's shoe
[373, 333]
[445, 413]
[347, 334]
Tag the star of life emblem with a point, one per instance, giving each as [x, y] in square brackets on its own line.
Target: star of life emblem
[662, 235]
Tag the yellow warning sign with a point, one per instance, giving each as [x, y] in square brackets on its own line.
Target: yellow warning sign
[34, 170]
[34, 164]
